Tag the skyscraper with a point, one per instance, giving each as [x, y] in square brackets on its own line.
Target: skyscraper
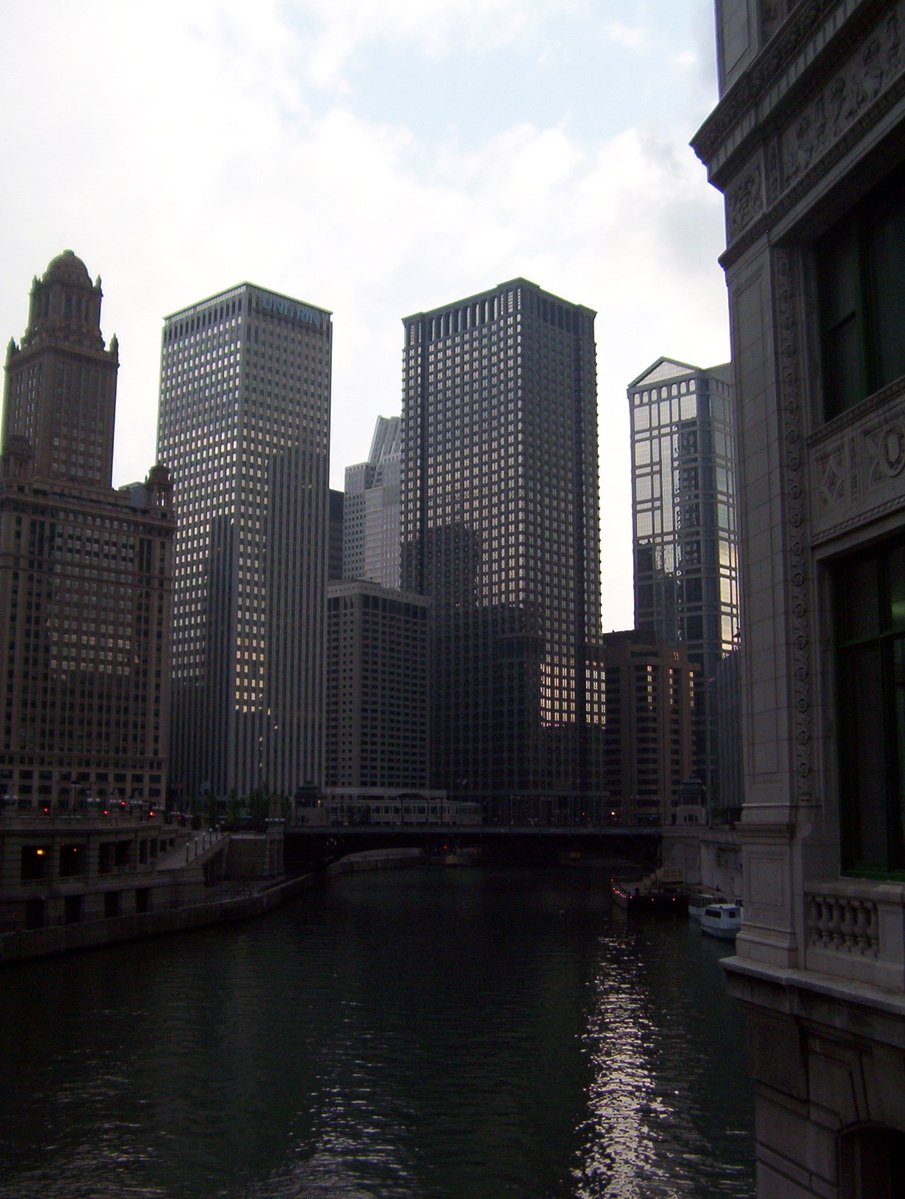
[85, 570]
[378, 672]
[685, 535]
[245, 428]
[648, 726]
[500, 529]
[371, 511]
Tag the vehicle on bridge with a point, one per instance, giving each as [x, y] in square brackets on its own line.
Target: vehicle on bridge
[411, 809]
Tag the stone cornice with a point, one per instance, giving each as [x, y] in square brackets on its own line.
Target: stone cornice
[791, 46]
[795, 157]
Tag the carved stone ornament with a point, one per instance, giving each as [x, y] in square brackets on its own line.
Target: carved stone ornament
[885, 452]
[745, 201]
[791, 401]
[837, 106]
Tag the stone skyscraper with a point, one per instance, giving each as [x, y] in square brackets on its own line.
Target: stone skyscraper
[807, 144]
[245, 429]
[500, 529]
[85, 570]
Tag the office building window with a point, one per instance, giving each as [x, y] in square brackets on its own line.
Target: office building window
[870, 636]
[861, 290]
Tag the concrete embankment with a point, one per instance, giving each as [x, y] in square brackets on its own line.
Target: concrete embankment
[42, 942]
[220, 909]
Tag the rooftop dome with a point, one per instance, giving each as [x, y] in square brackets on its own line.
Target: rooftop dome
[67, 268]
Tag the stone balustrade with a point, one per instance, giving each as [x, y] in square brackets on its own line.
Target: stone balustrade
[856, 930]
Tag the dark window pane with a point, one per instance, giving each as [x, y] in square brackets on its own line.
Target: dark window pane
[896, 586]
[897, 796]
[861, 294]
[859, 608]
[887, 262]
[863, 745]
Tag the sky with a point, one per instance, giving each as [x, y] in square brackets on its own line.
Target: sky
[376, 158]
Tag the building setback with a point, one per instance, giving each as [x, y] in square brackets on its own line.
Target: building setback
[500, 528]
[85, 570]
[244, 427]
[685, 540]
[807, 144]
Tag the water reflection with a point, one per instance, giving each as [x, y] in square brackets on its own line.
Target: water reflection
[473, 1035]
[664, 1060]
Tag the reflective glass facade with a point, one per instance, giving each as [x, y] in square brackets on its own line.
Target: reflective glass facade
[244, 427]
[684, 524]
[500, 529]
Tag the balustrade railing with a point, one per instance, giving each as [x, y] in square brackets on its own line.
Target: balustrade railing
[856, 930]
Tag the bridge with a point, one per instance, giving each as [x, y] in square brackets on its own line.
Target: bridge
[316, 845]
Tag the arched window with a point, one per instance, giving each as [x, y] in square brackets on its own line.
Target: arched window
[872, 1163]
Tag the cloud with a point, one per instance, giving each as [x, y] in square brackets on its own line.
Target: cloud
[180, 149]
[631, 36]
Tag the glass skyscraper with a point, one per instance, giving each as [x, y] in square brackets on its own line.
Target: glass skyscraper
[684, 523]
[244, 428]
[371, 509]
[500, 529]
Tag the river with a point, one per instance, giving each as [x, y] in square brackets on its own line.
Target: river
[479, 1033]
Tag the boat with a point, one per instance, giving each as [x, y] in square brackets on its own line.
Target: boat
[698, 899]
[722, 920]
[662, 891]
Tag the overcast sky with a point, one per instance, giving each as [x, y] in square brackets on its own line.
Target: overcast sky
[376, 158]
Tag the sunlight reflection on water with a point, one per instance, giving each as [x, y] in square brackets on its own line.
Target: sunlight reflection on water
[477, 1034]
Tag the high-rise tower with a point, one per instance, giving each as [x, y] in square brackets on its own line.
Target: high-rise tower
[500, 529]
[685, 535]
[371, 509]
[245, 429]
[85, 570]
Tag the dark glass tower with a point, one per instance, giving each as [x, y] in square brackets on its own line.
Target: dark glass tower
[500, 529]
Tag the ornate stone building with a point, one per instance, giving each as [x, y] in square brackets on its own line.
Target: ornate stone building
[85, 570]
[807, 143]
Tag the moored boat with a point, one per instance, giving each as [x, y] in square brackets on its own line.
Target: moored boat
[662, 891]
[722, 920]
[699, 899]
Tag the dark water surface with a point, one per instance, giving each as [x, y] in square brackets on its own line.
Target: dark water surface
[471, 1034]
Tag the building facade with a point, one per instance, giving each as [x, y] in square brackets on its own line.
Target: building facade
[500, 530]
[85, 570]
[685, 538]
[649, 690]
[371, 514]
[807, 143]
[336, 503]
[244, 427]
[378, 671]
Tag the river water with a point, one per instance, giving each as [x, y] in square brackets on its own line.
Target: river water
[464, 1033]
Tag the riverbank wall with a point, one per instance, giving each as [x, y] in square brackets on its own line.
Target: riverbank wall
[44, 942]
[26, 944]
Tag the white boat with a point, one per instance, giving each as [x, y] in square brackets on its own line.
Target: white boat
[721, 920]
[699, 899]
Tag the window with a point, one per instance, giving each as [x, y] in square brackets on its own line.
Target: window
[861, 291]
[870, 645]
